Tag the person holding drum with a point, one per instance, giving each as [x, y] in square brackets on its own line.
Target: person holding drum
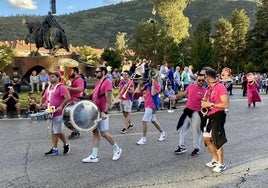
[56, 96]
[76, 90]
[102, 97]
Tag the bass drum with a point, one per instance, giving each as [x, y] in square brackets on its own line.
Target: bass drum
[81, 116]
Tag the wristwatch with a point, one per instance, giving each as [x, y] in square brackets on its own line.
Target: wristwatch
[105, 112]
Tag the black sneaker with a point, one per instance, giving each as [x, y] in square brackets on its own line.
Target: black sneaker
[124, 130]
[52, 152]
[130, 126]
[195, 152]
[180, 150]
[73, 135]
[66, 149]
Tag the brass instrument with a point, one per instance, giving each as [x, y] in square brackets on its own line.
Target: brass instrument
[204, 111]
[128, 85]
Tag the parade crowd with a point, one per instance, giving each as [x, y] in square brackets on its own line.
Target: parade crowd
[205, 91]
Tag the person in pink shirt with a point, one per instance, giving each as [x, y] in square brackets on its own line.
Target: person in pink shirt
[216, 101]
[57, 95]
[102, 97]
[252, 90]
[76, 90]
[126, 91]
[191, 116]
[150, 89]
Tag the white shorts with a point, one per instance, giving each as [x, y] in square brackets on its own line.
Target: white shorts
[103, 124]
[126, 105]
[57, 125]
[149, 115]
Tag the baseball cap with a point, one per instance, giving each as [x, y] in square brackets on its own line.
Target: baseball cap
[54, 72]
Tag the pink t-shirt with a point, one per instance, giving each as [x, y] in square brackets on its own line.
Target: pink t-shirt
[98, 96]
[214, 95]
[57, 97]
[77, 82]
[195, 95]
[148, 100]
[121, 85]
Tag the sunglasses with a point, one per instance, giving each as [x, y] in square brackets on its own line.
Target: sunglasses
[97, 71]
[200, 80]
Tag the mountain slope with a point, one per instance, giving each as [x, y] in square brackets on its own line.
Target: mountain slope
[98, 27]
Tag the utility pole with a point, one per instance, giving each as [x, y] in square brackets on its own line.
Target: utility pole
[154, 20]
[53, 6]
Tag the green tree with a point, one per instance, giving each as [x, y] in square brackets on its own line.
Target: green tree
[201, 54]
[240, 23]
[176, 24]
[112, 58]
[257, 40]
[147, 38]
[6, 56]
[87, 54]
[121, 44]
[223, 43]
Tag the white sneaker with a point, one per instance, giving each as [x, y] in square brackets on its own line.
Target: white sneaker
[90, 159]
[219, 167]
[117, 154]
[142, 141]
[212, 163]
[163, 136]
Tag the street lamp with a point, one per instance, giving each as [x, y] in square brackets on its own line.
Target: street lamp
[153, 21]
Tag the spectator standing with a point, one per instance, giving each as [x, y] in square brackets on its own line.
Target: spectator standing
[191, 74]
[177, 80]
[164, 74]
[252, 90]
[185, 78]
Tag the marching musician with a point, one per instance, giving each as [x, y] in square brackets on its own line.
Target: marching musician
[56, 95]
[150, 89]
[126, 91]
[76, 90]
[191, 116]
[102, 97]
[213, 123]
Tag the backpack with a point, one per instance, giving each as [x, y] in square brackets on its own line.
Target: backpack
[157, 101]
[156, 98]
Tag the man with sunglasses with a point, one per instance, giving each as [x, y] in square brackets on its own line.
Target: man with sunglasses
[102, 97]
[191, 116]
[216, 100]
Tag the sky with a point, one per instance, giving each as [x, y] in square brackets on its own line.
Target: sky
[41, 7]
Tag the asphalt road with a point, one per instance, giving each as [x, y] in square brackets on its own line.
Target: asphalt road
[23, 163]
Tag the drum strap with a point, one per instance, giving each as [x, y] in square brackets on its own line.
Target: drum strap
[101, 95]
[51, 91]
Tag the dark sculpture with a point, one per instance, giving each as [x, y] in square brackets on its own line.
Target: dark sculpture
[49, 34]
